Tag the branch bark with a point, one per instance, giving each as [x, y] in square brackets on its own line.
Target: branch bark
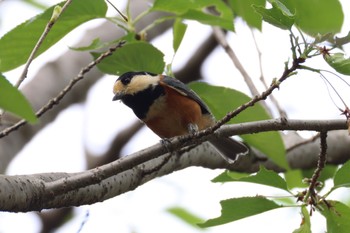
[57, 190]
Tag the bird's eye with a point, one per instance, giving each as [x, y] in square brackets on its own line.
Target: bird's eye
[126, 80]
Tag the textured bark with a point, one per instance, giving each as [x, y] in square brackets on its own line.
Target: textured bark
[56, 190]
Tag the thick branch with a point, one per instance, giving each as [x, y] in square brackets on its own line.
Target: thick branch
[56, 190]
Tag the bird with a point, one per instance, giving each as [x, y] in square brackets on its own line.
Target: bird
[170, 108]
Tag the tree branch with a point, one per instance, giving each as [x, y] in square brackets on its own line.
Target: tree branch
[59, 97]
[56, 190]
[221, 38]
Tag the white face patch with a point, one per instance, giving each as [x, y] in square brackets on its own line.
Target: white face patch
[141, 82]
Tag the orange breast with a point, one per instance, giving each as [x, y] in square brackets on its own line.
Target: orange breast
[171, 114]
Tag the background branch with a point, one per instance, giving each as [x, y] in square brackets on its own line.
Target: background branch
[56, 100]
[221, 38]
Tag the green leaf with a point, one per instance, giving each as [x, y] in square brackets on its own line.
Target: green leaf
[16, 45]
[185, 216]
[173, 6]
[134, 56]
[95, 44]
[245, 10]
[341, 177]
[220, 15]
[337, 215]
[228, 176]
[264, 177]
[338, 62]
[340, 41]
[12, 100]
[179, 30]
[305, 226]
[36, 4]
[317, 16]
[222, 100]
[294, 179]
[238, 208]
[324, 37]
[278, 15]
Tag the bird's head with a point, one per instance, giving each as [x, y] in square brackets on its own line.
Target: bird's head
[131, 83]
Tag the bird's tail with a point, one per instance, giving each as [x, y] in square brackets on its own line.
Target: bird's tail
[229, 148]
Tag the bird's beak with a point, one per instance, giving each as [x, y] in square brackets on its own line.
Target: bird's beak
[118, 91]
[118, 96]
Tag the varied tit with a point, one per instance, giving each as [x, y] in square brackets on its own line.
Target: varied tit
[169, 108]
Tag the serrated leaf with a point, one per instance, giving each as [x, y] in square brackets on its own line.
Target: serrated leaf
[305, 226]
[264, 177]
[276, 15]
[338, 62]
[134, 56]
[341, 177]
[222, 100]
[245, 10]
[337, 215]
[12, 100]
[16, 45]
[197, 10]
[318, 16]
[185, 216]
[179, 30]
[238, 208]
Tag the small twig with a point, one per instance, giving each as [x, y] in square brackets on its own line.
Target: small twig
[55, 15]
[287, 73]
[312, 139]
[220, 37]
[281, 112]
[321, 160]
[311, 196]
[57, 12]
[119, 12]
[59, 97]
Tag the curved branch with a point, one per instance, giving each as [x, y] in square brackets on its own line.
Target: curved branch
[56, 100]
[56, 190]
